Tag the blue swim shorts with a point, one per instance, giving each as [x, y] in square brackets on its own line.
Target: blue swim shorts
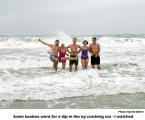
[52, 58]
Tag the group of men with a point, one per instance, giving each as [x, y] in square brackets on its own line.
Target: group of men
[94, 49]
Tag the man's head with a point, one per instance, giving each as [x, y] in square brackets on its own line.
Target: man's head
[56, 42]
[94, 40]
[74, 40]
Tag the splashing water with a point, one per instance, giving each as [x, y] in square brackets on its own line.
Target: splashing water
[26, 71]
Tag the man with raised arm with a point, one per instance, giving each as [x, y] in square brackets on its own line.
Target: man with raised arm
[95, 50]
[73, 53]
[54, 52]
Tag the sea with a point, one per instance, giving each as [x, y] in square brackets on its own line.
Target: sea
[27, 80]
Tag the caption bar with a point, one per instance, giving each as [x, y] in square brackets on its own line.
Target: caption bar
[76, 114]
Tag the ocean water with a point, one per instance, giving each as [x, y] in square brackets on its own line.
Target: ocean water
[28, 81]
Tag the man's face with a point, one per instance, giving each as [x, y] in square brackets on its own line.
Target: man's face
[57, 43]
[94, 40]
[74, 41]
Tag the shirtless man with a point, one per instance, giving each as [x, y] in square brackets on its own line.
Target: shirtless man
[73, 53]
[54, 52]
[95, 50]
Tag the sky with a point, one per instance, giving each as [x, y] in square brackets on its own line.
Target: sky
[75, 17]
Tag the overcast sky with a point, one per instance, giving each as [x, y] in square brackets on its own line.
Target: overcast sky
[23, 17]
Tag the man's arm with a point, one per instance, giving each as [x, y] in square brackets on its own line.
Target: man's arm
[98, 48]
[68, 46]
[80, 48]
[67, 50]
[59, 49]
[49, 52]
[90, 48]
[50, 45]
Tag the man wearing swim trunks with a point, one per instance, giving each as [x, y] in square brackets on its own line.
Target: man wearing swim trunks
[54, 52]
[95, 50]
[73, 53]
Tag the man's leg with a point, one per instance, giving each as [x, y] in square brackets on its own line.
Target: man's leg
[52, 58]
[93, 62]
[70, 67]
[98, 62]
[55, 64]
[93, 66]
[76, 67]
[76, 64]
[98, 66]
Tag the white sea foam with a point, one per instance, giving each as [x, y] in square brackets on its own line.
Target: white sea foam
[61, 85]
[32, 41]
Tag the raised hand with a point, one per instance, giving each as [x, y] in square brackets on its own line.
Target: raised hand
[39, 40]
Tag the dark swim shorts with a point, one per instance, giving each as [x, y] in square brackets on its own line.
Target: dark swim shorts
[95, 60]
[71, 62]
